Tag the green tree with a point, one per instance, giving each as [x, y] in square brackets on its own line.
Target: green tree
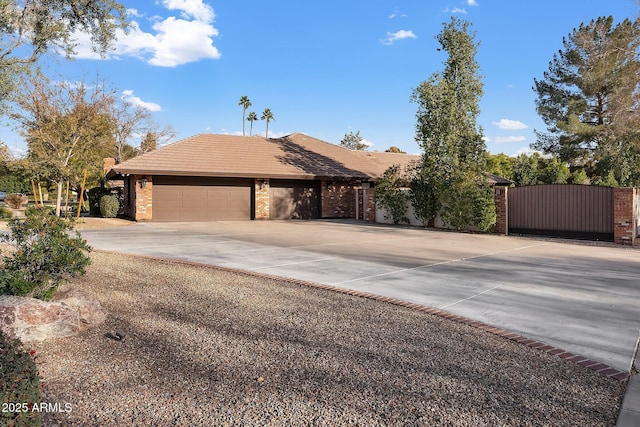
[353, 141]
[525, 170]
[268, 116]
[394, 149]
[588, 100]
[447, 131]
[552, 171]
[252, 117]
[67, 128]
[30, 28]
[391, 194]
[500, 165]
[579, 176]
[244, 103]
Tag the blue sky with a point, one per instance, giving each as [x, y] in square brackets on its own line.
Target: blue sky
[331, 67]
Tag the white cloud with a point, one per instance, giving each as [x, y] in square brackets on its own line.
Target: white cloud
[526, 150]
[369, 144]
[510, 124]
[398, 35]
[461, 10]
[508, 139]
[472, 2]
[173, 40]
[127, 96]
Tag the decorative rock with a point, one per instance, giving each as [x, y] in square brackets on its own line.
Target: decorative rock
[89, 310]
[32, 319]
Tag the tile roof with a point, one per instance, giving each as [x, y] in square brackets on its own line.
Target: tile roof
[295, 156]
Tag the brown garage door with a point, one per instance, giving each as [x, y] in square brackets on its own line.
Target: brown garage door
[294, 199]
[194, 199]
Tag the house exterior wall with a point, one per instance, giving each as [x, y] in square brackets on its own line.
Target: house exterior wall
[337, 199]
[139, 199]
[261, 192]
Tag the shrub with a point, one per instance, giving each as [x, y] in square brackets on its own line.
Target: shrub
[15, 200]
[46, 253]
[391, 196]
[19, 384]
[109, 206]
[5, 213]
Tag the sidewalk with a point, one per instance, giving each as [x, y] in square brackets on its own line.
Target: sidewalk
[629, 415]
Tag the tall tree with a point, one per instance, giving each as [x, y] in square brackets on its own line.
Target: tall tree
[244, 103]
[29, 28]
[268, 116]
[67, 128]
[252, 117]
[452, 172]
[589, 99]
[353, 141]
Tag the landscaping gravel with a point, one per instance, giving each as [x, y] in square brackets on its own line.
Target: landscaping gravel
[205, 347]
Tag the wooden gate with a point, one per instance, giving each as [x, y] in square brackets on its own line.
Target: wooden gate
[578, 211]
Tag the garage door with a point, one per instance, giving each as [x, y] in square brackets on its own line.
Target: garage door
[294, 199]
[193, 199]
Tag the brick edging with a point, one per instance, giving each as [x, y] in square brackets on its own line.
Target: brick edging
[596, 366]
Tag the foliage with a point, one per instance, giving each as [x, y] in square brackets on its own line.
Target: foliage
[579, 176]
[46, 253]
[14, 183]
[500, 165]
[5, 213]
[608, 181]
[353, 141]
[252, 117]
[15, 200]
[67, 127]
[454, 159]
[391, 194]
[109, 206]
[268, 116]
[29, 29]
[19, 383]
[394, 149]
[424, 190]
[245, 103]
[588, 99]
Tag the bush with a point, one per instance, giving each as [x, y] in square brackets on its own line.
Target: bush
[5, 213]
[109, 206]
[46, 253]
[391, 196]
[15, 200]
[19, 385]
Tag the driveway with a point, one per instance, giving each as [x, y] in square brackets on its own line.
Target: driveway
[579, 297]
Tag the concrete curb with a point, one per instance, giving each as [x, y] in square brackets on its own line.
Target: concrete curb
[629, 415]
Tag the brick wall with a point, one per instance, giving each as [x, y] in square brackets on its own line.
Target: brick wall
[624, 212]
[143, 197]
[500, 199]
[338, 199]
[262, 198]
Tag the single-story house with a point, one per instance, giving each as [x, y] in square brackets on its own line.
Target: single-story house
[224, 177]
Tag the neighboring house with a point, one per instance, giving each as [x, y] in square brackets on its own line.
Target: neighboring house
[223, 177]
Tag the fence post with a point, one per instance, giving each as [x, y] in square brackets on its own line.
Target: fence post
[624, 222]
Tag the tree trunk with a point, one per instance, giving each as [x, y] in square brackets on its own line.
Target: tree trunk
[59, 197]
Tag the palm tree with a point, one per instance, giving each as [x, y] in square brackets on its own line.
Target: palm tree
[244, 101]
[252, 117]
[268, 116]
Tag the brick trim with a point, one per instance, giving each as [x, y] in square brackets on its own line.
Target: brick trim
[596, 366]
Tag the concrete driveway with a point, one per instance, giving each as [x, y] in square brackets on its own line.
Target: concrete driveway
[579, 297]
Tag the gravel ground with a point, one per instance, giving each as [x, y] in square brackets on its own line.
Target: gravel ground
[205, 347]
